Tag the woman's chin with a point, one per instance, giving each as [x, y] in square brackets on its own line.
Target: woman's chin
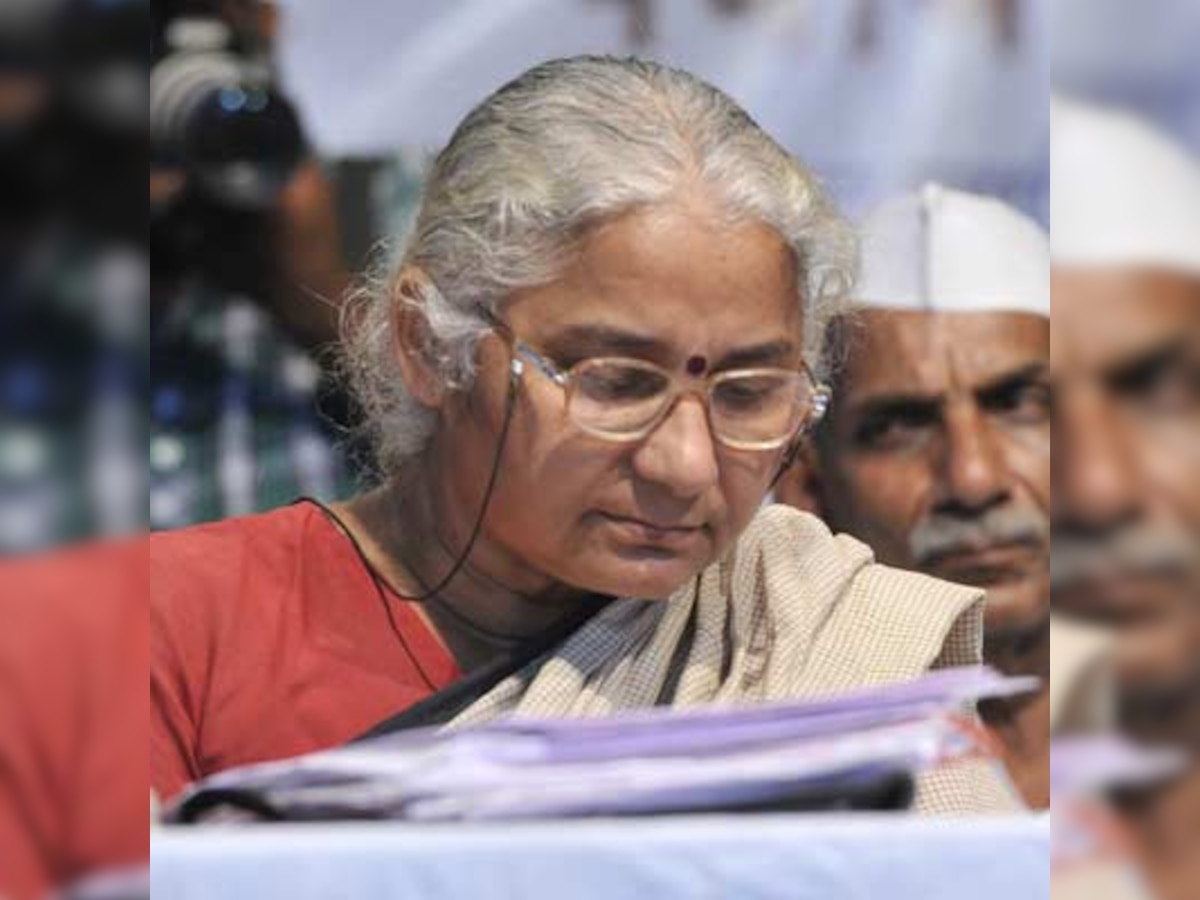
[648, 576]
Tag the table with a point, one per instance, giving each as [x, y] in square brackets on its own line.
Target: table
[748, 857]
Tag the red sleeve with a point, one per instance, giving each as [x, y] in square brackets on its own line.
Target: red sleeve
[172, 729]
[178, 634]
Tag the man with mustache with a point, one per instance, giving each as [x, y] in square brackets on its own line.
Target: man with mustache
[1126, 279]
[937, 449]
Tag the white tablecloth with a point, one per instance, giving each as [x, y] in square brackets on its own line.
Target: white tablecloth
[743, 857]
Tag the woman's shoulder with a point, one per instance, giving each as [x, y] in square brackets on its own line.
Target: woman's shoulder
[275, 532]
[872, 607]
[783, 532]
[216, 563]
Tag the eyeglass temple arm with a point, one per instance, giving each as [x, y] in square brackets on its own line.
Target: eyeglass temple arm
[544, 365]
[517, 367]
[822, 400]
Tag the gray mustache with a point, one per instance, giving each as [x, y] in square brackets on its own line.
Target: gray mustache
[1137, 549]
[940, 535]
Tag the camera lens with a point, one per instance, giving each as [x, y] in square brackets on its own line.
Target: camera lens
[224, 121]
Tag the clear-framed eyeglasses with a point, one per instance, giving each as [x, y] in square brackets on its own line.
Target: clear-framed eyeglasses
[622, 399]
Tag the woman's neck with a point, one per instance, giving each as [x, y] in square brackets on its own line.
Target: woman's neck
[490, 606]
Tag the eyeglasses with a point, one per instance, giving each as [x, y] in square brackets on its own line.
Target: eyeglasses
[623, 400]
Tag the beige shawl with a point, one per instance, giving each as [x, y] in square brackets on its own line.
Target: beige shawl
[791, 611]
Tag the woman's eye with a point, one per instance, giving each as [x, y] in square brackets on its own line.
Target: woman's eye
[616, 384]
[745, 395]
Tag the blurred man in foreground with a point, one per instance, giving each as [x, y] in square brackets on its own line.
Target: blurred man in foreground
[73, 719]
[937, 451]
[1126, 279]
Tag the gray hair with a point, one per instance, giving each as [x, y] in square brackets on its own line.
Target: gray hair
[569, 144]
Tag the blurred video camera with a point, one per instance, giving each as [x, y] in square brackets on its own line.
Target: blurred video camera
[215, 111]
[76, 80]
[224, 142]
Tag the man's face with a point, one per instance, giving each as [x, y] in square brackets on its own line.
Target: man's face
[1128, 410]
[1126, 350]
[666, 285]
[937, 453]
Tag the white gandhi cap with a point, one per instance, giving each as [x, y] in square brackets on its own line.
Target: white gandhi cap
[1121, 194]
[942, 250]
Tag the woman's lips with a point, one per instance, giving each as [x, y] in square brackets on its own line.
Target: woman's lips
[640, 531]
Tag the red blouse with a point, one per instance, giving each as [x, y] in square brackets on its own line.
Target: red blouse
[269, 638]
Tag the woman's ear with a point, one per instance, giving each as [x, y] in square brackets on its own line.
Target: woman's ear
[412, 341]
[800, 484]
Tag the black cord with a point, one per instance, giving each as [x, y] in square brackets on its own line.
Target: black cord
[789, 459]
[514, 382]
[378, 581]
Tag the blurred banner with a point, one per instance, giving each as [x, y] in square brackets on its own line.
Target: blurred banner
[875, 94]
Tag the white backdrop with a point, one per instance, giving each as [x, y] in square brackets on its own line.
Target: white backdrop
[875, 94]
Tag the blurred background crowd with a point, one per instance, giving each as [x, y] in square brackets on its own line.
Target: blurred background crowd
[210, 357]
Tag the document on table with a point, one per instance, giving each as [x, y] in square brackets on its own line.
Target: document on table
[825, 752]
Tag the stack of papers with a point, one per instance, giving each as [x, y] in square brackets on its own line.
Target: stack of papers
[835, 752]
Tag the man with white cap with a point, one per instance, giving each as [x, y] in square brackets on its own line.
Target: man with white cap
[1125, 218]
[937, 449]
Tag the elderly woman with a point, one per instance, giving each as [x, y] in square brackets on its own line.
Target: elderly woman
[581, 380]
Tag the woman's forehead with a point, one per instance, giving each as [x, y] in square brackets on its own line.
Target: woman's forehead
[692, 347]
[678, 278]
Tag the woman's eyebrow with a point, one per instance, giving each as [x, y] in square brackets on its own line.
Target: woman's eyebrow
[769, 353]
[605, 340]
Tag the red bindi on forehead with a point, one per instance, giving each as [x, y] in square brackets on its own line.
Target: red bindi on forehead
[696, 365]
